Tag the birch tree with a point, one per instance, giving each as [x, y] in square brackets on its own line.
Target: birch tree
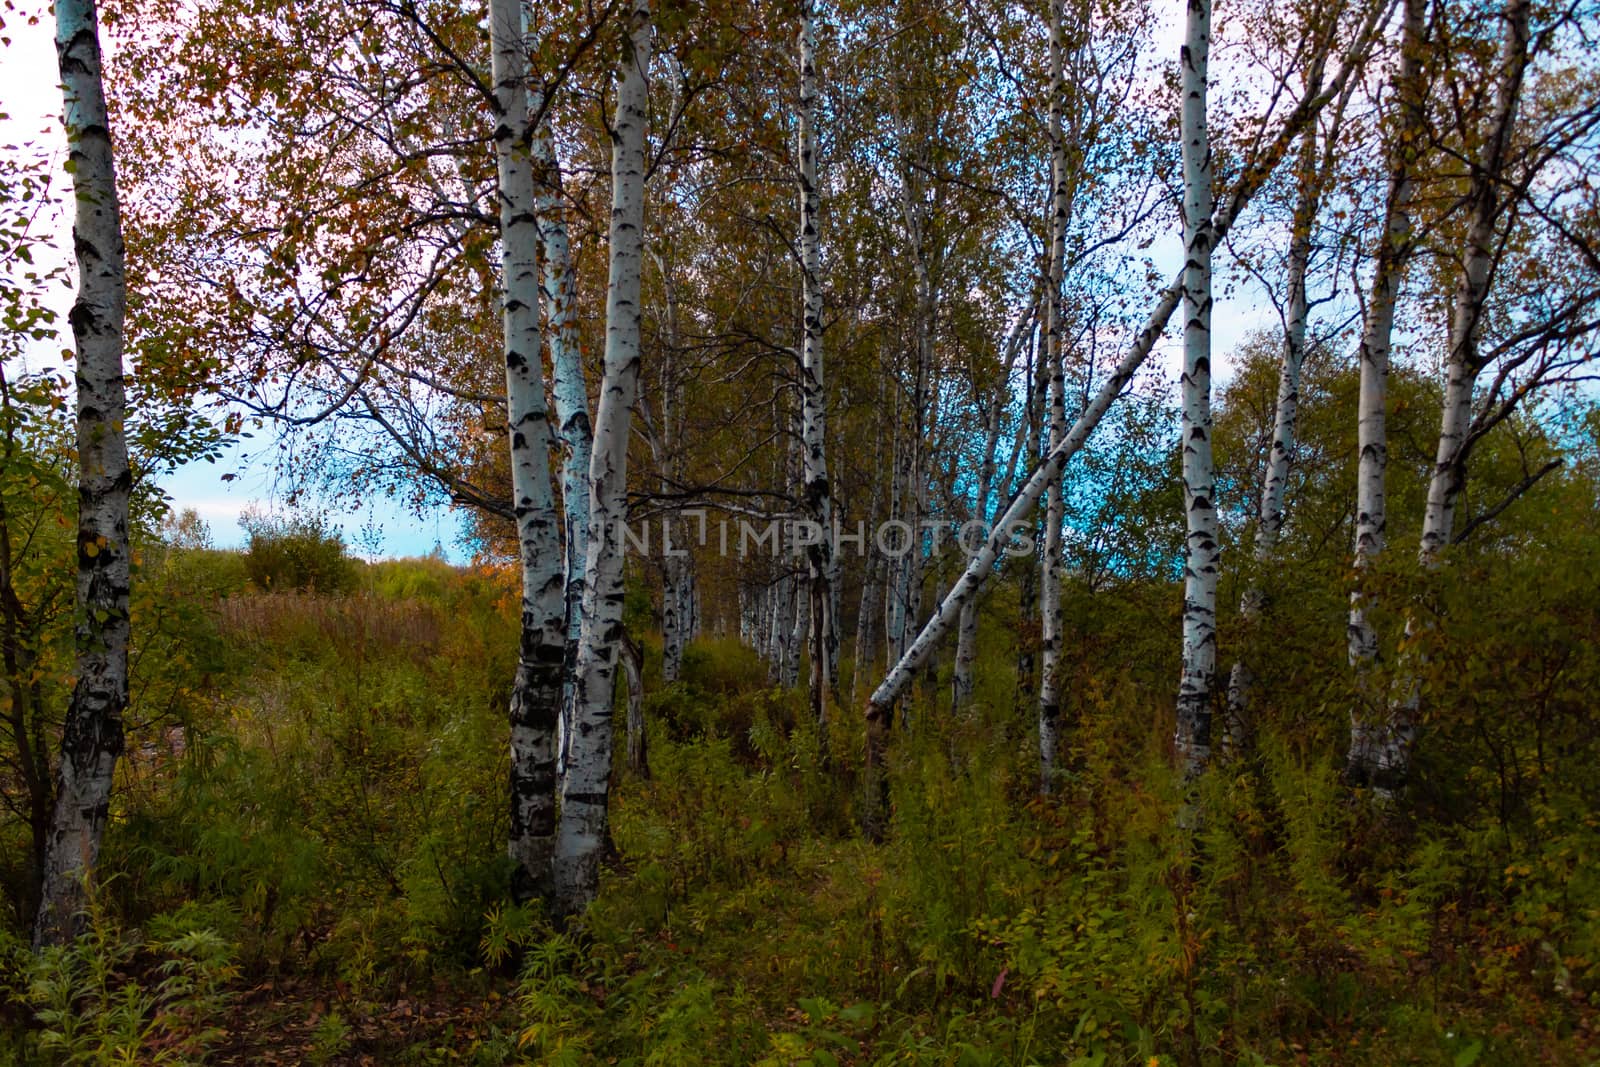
[1050, 565]
[92, 739]
[585, 789]
[815, 489]
[573, 431]
[1394, 249]
[536, 690]
[1384, 761]
[988, 478]
[1202, 549]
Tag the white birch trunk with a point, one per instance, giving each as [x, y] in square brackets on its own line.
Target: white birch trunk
[92, 739]
[1392, 751]
[1193, 737]
[1366, 718]
[815, 489]
[632, 659]
[674, 619]
[1238, 729]
[585, 789]
[536, 690]
[777, 629]
[866, 623]
[573, 430]
[1056, 402]
[677, 577]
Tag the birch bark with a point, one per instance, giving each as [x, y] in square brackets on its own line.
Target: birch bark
[813, 419]
[573, 430]
[536, 690]
[967, 628]
[1367, 724]
[1391, 762]
[92, 739]
[575, 868]
[1050, 567]
[1193, 739]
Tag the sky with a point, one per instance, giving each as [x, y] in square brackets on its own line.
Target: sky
[30, 97]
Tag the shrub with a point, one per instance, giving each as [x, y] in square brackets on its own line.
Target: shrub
[299, 552]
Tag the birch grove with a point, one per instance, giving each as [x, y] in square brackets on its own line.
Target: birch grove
[876, 304]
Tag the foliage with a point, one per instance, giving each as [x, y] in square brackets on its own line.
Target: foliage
[334, 814]
[113, 998]
[295, 552]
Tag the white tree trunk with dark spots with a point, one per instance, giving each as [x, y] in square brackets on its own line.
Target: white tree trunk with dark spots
[1238, 730]
[586, 787]
[632, 659]
[1368, 717]
[573, 431]
[536, 690]
[1202, 549]
[1056, 406]
[92, 739]
[1472, 288]
[1391, 760]
[815, 490]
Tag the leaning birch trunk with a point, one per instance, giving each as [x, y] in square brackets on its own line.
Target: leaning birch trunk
[815, 491]
[1012, 522]
[1193, 738]
[573, 430]
[575, 870]
[881, 703]
[1056, 400]
[1392, 760]
[1394, 250]
[1238, 730]
[92, 739]
[536, 690]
